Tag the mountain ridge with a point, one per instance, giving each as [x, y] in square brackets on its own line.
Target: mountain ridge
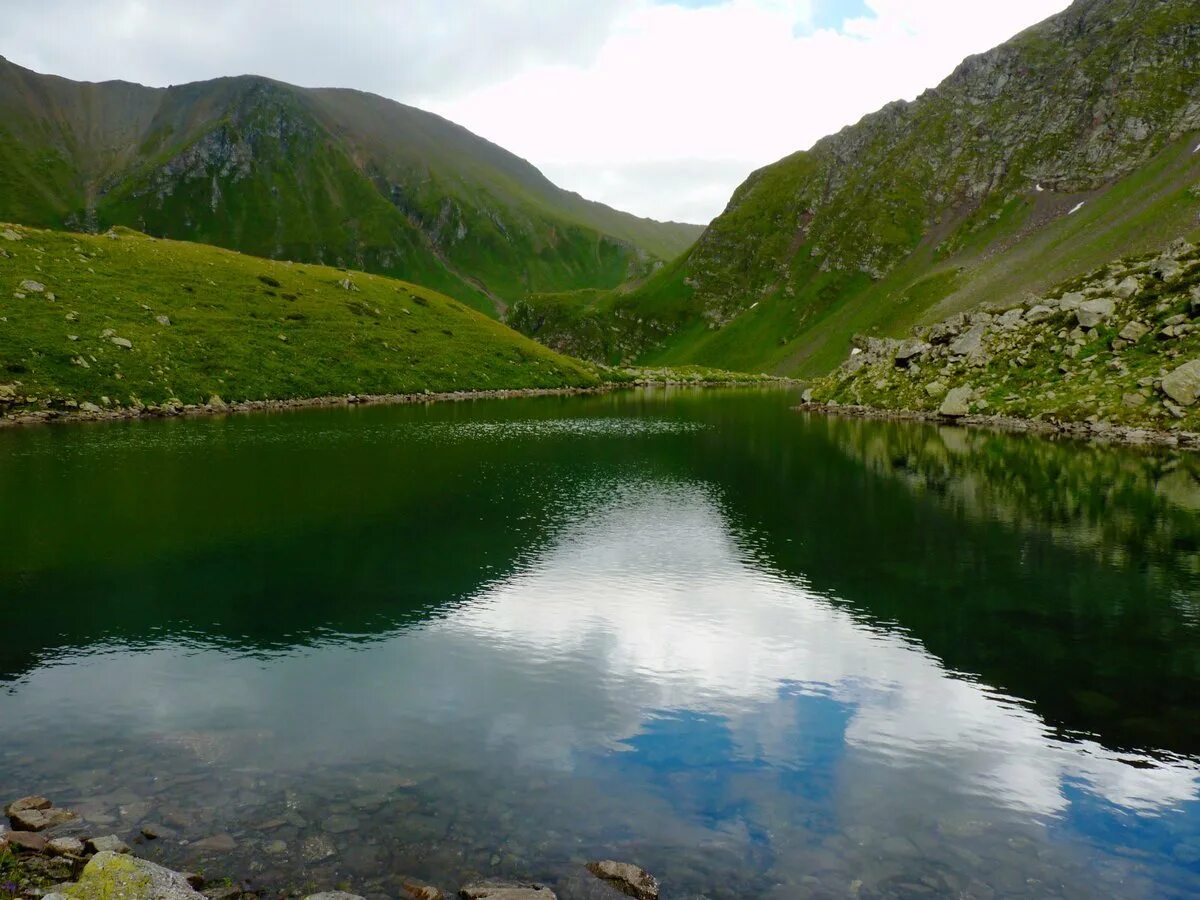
[376, 184]
[903, 213]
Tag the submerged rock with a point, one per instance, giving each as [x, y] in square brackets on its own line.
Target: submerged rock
[627, 878]
[506, 890]
[112, 876]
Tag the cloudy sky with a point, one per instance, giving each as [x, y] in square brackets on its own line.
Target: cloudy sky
[660, 107]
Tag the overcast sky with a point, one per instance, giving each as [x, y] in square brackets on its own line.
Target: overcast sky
[660, 107]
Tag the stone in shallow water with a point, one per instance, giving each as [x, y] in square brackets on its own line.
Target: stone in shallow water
[506, 890]
[112, 875]
[627, 878]
[39, 819]
[418, 891]
[109, 843]
[218, 843]
[317, 848]
[340, 824]
[31, 802]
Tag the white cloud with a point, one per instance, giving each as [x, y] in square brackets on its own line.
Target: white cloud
[661, 109]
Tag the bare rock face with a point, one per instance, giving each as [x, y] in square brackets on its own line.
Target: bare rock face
[627, 878]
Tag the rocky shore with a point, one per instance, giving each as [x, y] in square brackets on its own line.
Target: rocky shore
[1102, 432]
[48, 854]
[89, 412]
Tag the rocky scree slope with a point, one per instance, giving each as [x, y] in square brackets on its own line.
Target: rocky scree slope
[338, 177]
[1118, 347]
[1066, 147]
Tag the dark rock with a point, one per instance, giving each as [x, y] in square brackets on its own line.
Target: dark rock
[627, 878]
[26, 841]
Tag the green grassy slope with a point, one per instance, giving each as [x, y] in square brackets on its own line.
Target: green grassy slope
[332, 176]
[236, 326]
[959, 198]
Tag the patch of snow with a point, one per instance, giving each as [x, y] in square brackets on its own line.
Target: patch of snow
[856, 351]
[754, 304]
[1197, 150]
[1038, 187]
[1076, 208]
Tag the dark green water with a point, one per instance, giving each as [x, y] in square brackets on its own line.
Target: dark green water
[761, 654]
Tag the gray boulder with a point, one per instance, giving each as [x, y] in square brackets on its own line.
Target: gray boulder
[956, 403]
[1134, 331]
[1183, 384]
[1070, 301]
[969, 341]
[909, 351]
[1093, 312]
[1127, 288]
[109, 843]
[1038, 313]
[113, 875]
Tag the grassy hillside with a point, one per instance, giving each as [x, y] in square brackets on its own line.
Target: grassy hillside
[968, 195]
[327, 176]
[122, 319]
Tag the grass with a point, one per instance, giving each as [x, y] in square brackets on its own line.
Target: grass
[241, 328]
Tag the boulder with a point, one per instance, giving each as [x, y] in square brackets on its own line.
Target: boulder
[39, 819]
[1038, 313]
[908, 351]
[65, 846]
[1093, 312]
[26, 841]
[935, 389]
[969, 341]
[627, 878]
[35, 801]
[334, 895]
[88, 407]
[945, 332]
[1166, 269]
[1183, 384]
[32, 287]
[163, 320]
[123, 343]
[956, 403]
[109, 843]
[9, 235]
[506, 890]
[113, 875]
[1127, 288]
[1010, 319]
[1072, 300]
[1134, 331]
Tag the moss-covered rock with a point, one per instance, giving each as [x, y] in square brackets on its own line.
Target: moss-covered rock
[115, 876]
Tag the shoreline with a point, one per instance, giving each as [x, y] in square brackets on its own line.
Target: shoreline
[1095, 432]
[222, 408]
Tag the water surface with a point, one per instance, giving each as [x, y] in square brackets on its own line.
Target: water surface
[760, 653]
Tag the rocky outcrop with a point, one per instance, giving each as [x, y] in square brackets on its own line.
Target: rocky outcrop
[1120, 346]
